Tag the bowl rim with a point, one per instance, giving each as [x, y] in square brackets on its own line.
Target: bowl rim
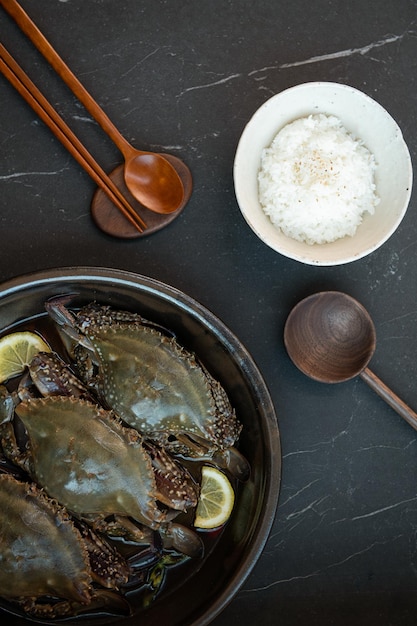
[313, 255]
[117, 277]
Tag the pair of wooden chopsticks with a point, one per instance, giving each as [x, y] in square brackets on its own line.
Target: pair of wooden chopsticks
[28, 90]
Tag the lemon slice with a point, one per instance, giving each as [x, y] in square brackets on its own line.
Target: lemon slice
[17, 351]
[216, 499]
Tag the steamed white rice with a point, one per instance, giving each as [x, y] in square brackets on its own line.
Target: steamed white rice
[316, 181]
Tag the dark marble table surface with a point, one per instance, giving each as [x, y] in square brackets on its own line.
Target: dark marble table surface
[184, 77]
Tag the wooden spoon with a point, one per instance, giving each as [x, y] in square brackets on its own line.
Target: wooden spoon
[331, 338]
[111, 221]
[149, 176]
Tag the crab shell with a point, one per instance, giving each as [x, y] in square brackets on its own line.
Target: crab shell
[156, 385]
[88, 461]
[44, 554]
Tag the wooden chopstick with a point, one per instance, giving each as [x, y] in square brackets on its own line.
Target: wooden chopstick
[28, 90]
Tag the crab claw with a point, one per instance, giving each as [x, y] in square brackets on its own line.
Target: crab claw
[66, 324]
[182, 539]
[53, 377]
[176, 488]
[109, 568]
[233, 461]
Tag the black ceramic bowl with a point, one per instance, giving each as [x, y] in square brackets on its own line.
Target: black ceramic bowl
[199, 597]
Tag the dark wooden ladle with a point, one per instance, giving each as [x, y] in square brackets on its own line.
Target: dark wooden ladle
[331, 338]
[150, 177]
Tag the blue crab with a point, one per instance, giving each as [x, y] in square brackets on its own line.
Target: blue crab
[51, 376]
[100, 470]
[49, 566]
[154, 384]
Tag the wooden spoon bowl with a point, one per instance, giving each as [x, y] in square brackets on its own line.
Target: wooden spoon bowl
[330, 337]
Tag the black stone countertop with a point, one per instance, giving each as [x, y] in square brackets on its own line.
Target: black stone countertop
[184, 77]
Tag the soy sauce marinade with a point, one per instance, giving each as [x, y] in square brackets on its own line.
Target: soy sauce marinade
[172, 570]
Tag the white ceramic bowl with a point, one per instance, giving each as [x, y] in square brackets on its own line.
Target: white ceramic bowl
[366, 120]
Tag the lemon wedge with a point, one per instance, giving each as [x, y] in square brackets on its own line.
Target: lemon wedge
[16, 352]
[216, 499]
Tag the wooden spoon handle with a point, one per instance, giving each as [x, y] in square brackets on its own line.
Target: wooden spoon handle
[42, 44]
[390, 397]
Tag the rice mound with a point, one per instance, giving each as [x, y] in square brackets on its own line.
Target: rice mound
[316, 181]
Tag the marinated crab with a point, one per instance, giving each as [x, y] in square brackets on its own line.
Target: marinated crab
[53, 377]
[48, 565]
[100, 470]
[153, 383]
